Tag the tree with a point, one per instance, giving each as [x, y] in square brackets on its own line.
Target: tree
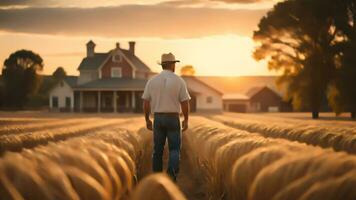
[20, 75]
[1, 95]
[187, 70]
[59, 73]
[297, 38]
[343, 96]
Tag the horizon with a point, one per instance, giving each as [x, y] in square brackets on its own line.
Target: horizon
[206, 76]
[58, 32]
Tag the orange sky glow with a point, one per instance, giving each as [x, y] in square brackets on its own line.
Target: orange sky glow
[212, 35]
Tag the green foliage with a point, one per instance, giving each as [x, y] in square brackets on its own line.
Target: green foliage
[297, 38]
[335, 99]
[59, 73]
[48, 82]
[345, 22]
[20, 77]
[37, 101]
[1, 96]
[187, 70]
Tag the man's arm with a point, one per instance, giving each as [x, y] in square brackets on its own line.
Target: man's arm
[184, 98]
[147, 112]
[146, 96]
[185, 110]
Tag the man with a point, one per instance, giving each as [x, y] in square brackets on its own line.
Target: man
[165, 96]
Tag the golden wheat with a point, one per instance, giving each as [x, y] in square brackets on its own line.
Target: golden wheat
[21, 128]
[22, 176]
[335, 166]
[238, 164]
[104, 161]
[17, 142]
[98, 165]
[85, 185]
[157, 187]
[340, 138]
[273, 178]
[337, 188]
[245, 169]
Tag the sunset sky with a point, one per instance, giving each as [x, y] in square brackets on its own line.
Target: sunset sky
[212, 35]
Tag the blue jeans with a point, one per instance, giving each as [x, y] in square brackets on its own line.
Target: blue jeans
[166, 126]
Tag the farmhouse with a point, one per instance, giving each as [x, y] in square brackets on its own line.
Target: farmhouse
[114, 82]
[257, 99]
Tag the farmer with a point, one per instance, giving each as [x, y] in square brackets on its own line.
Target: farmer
[165, 96]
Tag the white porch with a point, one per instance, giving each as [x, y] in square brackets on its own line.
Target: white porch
[108, 101]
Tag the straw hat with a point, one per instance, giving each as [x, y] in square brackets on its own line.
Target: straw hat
[168, 58]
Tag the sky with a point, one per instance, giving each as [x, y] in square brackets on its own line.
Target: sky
[212, 35]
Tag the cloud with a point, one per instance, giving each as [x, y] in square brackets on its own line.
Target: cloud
[131, 21]
[5, 3]
[71, 3]
[242, 1]
[183, 2]
[12, 2]
[99, 3]
[206, 2]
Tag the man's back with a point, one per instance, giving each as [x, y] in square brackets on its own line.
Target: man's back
[165, 95]
[166, 91]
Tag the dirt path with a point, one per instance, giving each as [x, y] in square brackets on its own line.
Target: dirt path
[188, 180]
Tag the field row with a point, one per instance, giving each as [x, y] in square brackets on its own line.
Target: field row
[21, 121]
[103, 159]
[30, 139]
[236, 164]
[340, 138]
[10, 129]
[101, 164]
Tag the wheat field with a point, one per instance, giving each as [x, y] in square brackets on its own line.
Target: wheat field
[225, 156]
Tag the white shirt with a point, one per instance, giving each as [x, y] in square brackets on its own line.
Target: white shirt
[166, 91]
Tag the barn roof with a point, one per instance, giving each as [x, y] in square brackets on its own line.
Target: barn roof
[249, 94]
[202, 82]
[95, 61]
[255, 90]
[235, 96]
[139, 64]
[242, 84]
[71, 80]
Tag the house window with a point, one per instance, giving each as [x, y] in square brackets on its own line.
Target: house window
[117, 58]
[209, 99]
[55, 102]
[68, 102]
[116, 72]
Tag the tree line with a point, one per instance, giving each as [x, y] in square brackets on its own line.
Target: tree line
[22, 82]
[312, 43]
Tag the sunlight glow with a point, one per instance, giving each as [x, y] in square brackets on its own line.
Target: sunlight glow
[223, 55]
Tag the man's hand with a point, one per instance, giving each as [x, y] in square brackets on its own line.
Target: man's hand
[184, 125]
[185, 110]
[149, 125]
[147, 111]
